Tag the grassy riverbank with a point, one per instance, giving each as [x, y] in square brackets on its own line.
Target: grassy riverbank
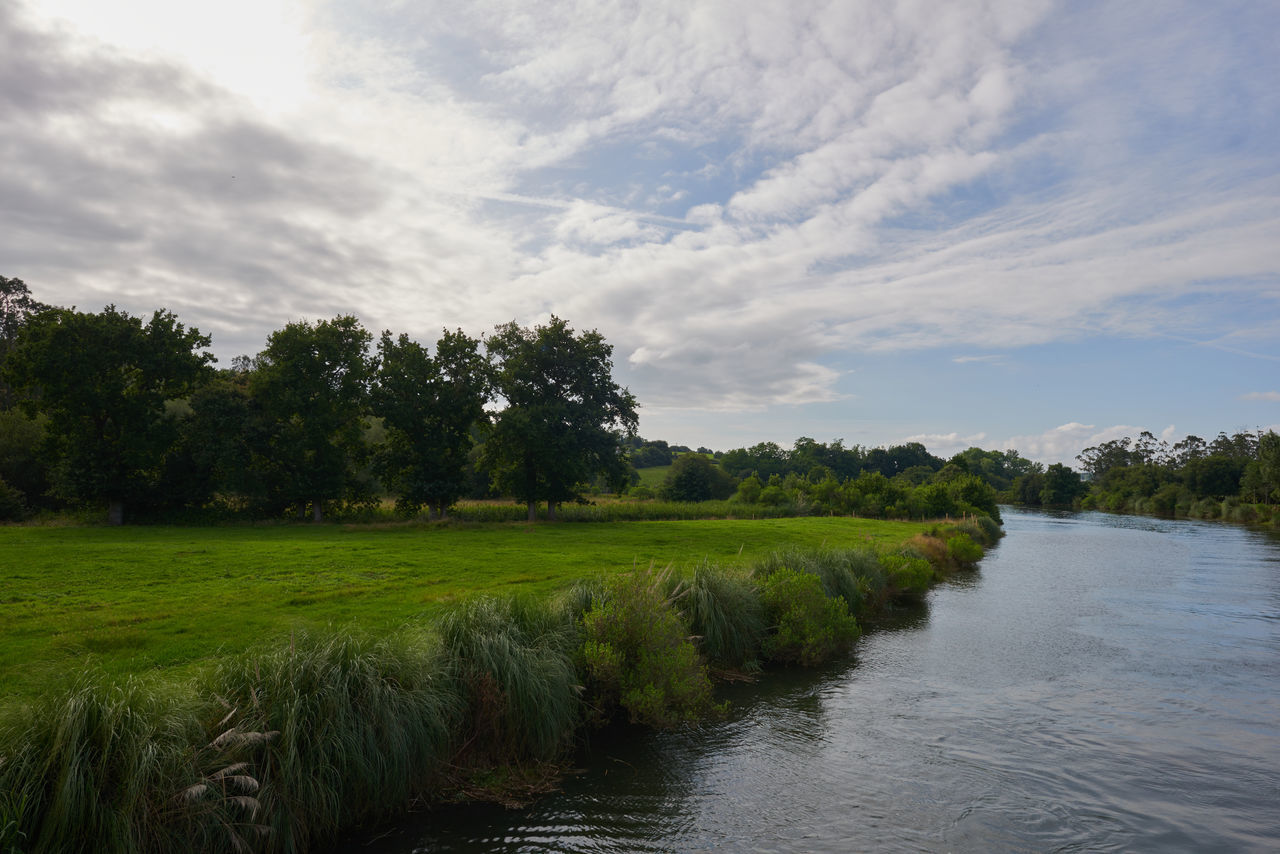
[275, 737]
[134, 599]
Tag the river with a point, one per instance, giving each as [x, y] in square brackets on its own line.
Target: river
[1101, 683]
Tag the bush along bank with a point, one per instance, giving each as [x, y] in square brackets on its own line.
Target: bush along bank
[280, 749]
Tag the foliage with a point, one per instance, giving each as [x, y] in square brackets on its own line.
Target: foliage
[724, 611]
[117, 768]
[429, 406]
[360, 725]
[103, 381]
[513, 657]
[12, 507]
[16, 307]
[22, 465]
[312, 384]
[1191, 478]
[693, 477]
[963, 550]
[637, 655]
[807, 626]
[562, 408]
[909, 575]
[1061, 486]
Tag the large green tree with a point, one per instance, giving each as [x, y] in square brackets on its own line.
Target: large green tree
[429, 406]
[16, 306]
[312, 386]
[103, 381]
[694, 477]
[560, 428]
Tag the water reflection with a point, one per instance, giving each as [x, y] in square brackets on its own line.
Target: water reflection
[1104, 684]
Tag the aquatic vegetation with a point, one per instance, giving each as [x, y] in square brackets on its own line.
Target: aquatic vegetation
[807, 626]
[513, 659]
[637, 655]
[724, 611]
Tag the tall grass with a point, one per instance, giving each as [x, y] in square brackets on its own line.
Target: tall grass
[360, 726]
[724, 611]
[513, 658]
[111, 767]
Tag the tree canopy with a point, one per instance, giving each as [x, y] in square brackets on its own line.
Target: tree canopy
[560, 428]
[429, 406]
[312, 382]
[103, 380]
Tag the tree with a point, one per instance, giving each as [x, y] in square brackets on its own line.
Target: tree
[16, 306]
[103, 381]
[693, 477]
[1061, 486]
[429, 406]
[312, 384]
[1100, 459]
[557, 431]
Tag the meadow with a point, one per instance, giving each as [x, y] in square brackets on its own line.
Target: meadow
[137, 599]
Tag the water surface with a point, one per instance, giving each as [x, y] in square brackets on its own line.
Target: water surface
[1102, 683]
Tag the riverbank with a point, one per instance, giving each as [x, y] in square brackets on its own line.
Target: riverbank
[278, 749]
[1102, 683]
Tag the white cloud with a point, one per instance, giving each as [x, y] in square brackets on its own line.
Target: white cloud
[946, 445]
[1063, 443]
[1271, 396]
[858, 177]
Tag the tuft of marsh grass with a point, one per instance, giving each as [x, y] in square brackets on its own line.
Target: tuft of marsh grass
[724, 610]
[360, 727]
[108, 766]
[513, 657]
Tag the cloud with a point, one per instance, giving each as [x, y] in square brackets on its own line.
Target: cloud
[990, 359]
[946, 444]
[1063, 443]
[744, 198]
[1271, 396]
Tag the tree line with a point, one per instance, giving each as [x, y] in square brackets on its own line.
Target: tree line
[109, 409]
[1193, 477]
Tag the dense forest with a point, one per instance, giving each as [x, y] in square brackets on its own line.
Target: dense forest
[106, 411]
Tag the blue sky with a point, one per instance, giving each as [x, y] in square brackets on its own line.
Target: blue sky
[1019, 224]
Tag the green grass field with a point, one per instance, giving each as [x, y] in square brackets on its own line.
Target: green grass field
[139, 598]
[653, 476]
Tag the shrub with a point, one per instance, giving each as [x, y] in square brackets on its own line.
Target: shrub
[807, 626]
[637, 654]
[909, 575]
[963, 550]
[12, 506]
[991, 530]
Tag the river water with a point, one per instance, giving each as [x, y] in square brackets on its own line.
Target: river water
[1101, 683]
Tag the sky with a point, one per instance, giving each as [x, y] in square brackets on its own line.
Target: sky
[1021, 225]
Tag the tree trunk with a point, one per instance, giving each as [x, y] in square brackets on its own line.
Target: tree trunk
[317, 510]
[551, 511]
[533, 512]
[115, 512]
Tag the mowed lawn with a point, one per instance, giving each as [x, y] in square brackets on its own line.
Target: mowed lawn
[134, 599]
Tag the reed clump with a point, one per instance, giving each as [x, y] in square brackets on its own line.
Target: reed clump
[360, 726]
[724, 611]
[513, 660]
